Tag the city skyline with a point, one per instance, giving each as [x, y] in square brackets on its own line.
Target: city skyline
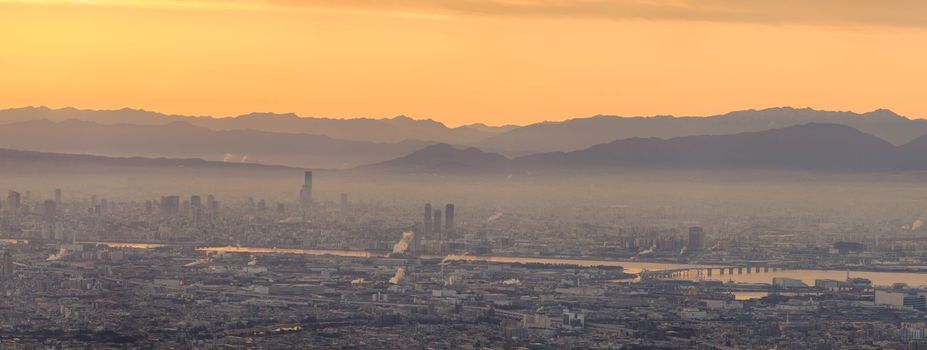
[463, 174]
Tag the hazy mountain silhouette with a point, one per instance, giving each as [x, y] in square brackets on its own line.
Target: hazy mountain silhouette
[183, 140]
[570, 135]
[913, 155]
[391, 130]
[444, 158]
[806, 147]
[31, 162]
[576, 134]
[813, 146]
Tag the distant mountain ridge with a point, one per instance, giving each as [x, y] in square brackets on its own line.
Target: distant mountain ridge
[391, 130]
[811, 147]
[343, 143]
[564, 136]
[183, 140]
[18, 161]
[580, 133]
[443, 157]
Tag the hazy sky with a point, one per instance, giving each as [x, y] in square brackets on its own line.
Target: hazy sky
[492, 61]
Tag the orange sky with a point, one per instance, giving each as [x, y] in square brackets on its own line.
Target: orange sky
[491, 61]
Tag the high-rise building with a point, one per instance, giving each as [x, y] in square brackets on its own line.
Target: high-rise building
[49, 212]
[426, 222]
[344, 201]
[58, 195]
[305, 194]
[449, 216]
[281, 208]
[196, 209]
[196, 202]
[436, 221]
[170, 206]
[696, 239]
[212, 203]
[13, 202]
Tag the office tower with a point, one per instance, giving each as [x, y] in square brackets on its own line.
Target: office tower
[213, 203]
[49, 211]
[6, 266]
[305, 194]
[196, 209]
[436, 221]
[449, 216]
[262, 205]
[426, 223]
[696, 239]
[344, 201]
[13, 202]
[170, 206]
[149, 207]
[104, 205]
[281, 208]
[58, 195]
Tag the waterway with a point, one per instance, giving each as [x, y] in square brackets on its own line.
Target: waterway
[634, 267]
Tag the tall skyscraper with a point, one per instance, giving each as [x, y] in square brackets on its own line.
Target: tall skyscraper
[436, 221]
[49, 210]
[13, 202]
[213, 204]
[449, 216]
[196, 201]
[305, 194]
[696, 239]
[170, 206]
[426, 222]
[49, 213]
[58, 196]
[196, 209]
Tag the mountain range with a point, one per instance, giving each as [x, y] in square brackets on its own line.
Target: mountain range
[806, 147]
[287, 139]
[576, 134]
[31, 162]
[387, 130]
[183, 140]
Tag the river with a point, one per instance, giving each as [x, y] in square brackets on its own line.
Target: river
[634, 267]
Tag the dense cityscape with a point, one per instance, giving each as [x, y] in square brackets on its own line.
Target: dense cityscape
[195, 272]
[463, 174]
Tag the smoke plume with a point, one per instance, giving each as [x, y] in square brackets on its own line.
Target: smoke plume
[399, 276]
[403, 245]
